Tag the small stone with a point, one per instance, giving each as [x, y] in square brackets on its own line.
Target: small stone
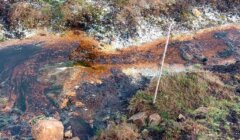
[181, 118]
[201, 112]
[196, 12]
[76, 87]
[68, 134]
[48, 129]
[139, 119]
[154, 119]
[145, 133]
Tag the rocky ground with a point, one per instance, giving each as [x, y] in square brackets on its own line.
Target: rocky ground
[119, 23]
[90, 66]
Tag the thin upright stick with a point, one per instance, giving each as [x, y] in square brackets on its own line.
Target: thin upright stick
[162, 63]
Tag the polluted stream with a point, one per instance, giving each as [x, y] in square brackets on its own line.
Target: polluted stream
[32, 78]
[83, 86]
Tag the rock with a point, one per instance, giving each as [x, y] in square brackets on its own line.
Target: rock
[201, 112]
[181, 118]
[48, 129]
[154, 119]
[139, 119]
[196, 12]
[68, 134]
[76, 87]
[145, 133]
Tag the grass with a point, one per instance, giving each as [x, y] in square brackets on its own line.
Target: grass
[122, 131]
[84, 14]
[26, 15]
[177, 94]
[184, 93]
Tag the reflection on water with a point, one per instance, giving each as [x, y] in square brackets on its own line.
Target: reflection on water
[12, 56]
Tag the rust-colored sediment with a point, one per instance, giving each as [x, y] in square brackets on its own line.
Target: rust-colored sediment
[202, 43]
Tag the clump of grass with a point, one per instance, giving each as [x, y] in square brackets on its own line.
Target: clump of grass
[83, 15]
[26, 15]
[178, 93]
[122, 131]
[185, 93]
[218, 111]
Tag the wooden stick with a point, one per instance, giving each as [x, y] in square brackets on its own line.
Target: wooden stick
[162, 63]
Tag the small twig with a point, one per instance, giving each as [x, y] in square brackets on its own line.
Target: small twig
[162, 63]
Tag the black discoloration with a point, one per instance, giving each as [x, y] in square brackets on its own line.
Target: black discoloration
[232, 68]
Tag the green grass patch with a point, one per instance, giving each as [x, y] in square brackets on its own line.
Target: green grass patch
[178, 93]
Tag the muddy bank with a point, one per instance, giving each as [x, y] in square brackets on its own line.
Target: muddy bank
[207, 47]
